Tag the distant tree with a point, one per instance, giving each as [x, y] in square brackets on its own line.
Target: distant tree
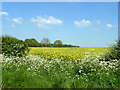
[45, 41]
[32, 42]
[58, 43]
[28, 42]
[40, 45]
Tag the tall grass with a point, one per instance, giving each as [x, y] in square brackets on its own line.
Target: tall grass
[36, 72]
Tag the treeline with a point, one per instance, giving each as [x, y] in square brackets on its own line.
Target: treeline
[45, 42]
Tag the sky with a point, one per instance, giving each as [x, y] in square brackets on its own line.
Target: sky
[60, 0]
[93, 24]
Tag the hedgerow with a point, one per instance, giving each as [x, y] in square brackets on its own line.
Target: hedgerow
[14, 47]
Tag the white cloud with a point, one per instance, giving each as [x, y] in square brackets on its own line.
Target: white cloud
[3, 13]
[43, 22]
[82, 23]
[17, 20]
[109, 25]
[42, 26]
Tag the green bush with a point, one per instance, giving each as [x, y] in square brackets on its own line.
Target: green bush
[114, 52]
[0, 44]
[13, 47]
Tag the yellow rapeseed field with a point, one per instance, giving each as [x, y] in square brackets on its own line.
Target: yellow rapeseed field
[63, 53]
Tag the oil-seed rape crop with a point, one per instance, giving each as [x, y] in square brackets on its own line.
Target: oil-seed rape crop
[67, 53]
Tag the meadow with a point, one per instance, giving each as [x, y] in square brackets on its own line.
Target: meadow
[48, 67]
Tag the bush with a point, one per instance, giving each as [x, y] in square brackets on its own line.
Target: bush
[114, 52]
[0, 44]
[13, 47]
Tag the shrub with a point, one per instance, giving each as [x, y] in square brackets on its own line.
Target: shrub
[0, 44]
[114, 52]
[13, 47]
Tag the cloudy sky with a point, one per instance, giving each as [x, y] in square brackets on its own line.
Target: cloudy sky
[83, 24]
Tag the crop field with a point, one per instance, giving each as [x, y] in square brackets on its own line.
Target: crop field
[74, 53]
[60, 68]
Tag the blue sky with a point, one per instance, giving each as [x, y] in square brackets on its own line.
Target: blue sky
[60, 1]
[83, 24]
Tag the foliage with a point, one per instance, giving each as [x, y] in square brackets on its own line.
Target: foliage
[36, 72]
[54, 45]
[65, 45]
[0, 44]
[114, 52]
[45, 41]
[58, 43]
[32, 42]
[13, 47]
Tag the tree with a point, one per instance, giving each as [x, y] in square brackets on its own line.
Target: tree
[28, 42]
[58, 43]
[32, 42]
[45, 41]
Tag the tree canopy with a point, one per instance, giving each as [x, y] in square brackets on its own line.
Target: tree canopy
[32, 42]
[58, 43]
[45, 42]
